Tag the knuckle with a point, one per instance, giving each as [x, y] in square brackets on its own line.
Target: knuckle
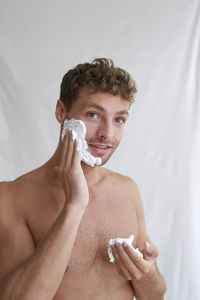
[128, 277]
[146, 270]
[71, 171]
[155, 251]
[60, 173]
[58, 170]
[138, 276]
[64, 172]
[132, 274]
[76, 153]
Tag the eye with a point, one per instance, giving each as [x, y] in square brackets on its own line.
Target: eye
[92, 115]
[120, 120]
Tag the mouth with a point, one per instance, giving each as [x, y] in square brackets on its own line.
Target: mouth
[99, 149]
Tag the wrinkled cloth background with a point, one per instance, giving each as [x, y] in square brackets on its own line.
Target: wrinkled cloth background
[158, 42]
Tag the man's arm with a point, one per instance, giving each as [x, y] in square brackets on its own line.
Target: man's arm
[143, 273]
[39, 275]
[151, 284]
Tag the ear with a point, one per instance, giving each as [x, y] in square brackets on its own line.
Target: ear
[61, 112]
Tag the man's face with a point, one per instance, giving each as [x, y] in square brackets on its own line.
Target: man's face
[104, 116]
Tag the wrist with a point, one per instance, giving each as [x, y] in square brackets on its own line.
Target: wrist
[152, 287]
[160, 287]
[74, 207]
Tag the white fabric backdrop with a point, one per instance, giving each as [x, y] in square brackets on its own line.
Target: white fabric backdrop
[158, 42]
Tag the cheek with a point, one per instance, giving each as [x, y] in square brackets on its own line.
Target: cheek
[118, 136]
[91, 129]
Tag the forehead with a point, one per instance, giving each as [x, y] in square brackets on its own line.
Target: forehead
[108, 101]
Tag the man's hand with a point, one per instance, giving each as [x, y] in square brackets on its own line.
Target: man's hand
[71, 174]
[147, 282]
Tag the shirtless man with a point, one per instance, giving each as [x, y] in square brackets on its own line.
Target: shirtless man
[56, 221]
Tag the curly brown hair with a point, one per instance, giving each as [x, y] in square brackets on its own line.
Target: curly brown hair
[100, 75]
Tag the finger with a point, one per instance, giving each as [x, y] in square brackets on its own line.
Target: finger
[133, 269]
[76, 158]
[122, 271]
[149, 251]
[64, 150]
[120, 267]
[117, 267]
[138, 261]
[69, 154]
[134, 257]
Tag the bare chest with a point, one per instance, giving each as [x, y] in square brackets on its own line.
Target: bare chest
[108, 215]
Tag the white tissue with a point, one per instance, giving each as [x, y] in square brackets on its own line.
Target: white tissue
[121, 240]
[78, 132]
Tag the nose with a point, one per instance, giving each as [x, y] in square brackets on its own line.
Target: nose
[105, 131]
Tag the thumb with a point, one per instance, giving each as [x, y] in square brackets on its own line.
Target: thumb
[147, 251]
[56, 169]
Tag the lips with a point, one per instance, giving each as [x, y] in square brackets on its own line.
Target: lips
[99, 148]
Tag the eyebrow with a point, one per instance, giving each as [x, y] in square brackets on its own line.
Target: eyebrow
[99, 107]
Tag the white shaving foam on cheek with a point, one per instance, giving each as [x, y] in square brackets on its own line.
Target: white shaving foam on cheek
[129, 241]
[78, 133]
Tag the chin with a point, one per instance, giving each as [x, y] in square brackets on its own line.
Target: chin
[104, 160]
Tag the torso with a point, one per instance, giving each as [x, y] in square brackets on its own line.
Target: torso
[110, 214]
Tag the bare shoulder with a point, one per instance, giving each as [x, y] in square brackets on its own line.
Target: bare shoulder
[5, 194]
[121, 180]
[8, 208]
[12, 195]
[4, 187]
